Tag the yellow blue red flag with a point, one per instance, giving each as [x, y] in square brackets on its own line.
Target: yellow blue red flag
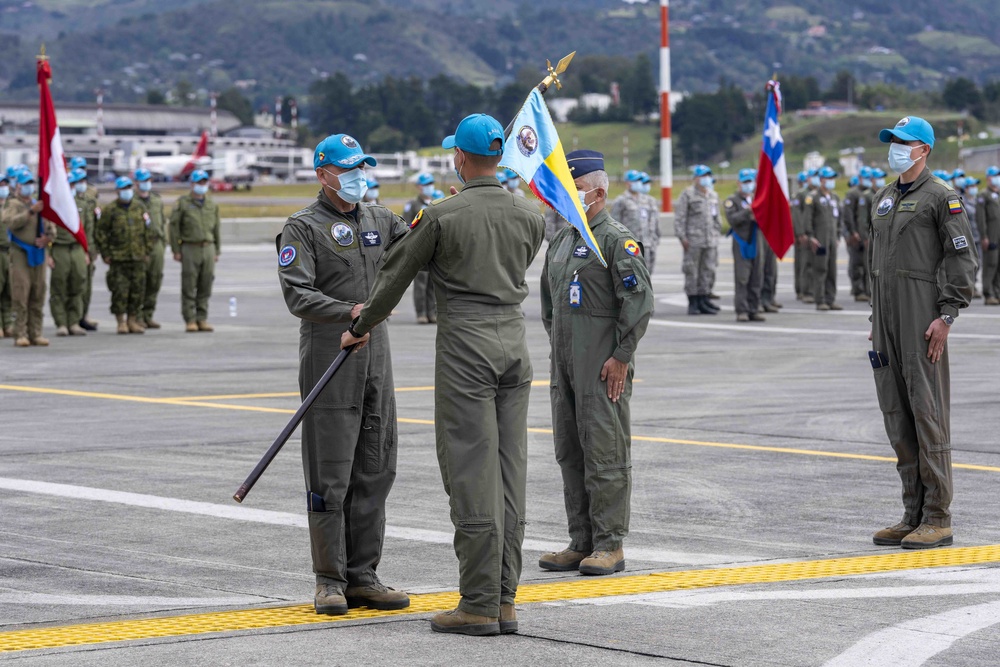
[533, 150]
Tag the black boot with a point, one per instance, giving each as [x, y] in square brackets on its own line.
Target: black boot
[693, 305]
[705, 307]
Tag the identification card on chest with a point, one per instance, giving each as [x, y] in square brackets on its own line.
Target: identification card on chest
[575, 292]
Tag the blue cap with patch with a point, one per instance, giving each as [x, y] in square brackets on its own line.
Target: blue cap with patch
[827, 172]
[502, 175]
[852, 181]
[77, 162]
[971, 181]
[747, 175]
[911, 128]
[702, 170]
[123, 182]
[958, 173]
[25, 176]
[866, 172]
[993, 171]
[878, 172]
[475, 134]
[425, 179]
[142, 174]
[583, 162]
[76, 175]
[632, 175]
[341, 150]
[199, 175]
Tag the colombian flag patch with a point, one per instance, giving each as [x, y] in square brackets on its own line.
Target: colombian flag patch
[416, 219]
[632, 248]
[955, 207]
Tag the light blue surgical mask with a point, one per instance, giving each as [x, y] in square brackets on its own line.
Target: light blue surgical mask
[200, 190]
[145, 186]
[972, 191]
[995, 181]
[372, 194]
[830, 184]
[512, 183]
[899, 158]
[4, 191]
[706, 182]
[427, 190]
[814, 181]
[27, 190]
[747, 188]
[635, 187]
[80, 187]
[582, 195]
[353, 185]
[879, 182]
[866, 182]
[126, 195]
[645, 188]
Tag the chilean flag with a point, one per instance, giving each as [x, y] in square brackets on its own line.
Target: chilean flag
[770, 204]
[59, 204]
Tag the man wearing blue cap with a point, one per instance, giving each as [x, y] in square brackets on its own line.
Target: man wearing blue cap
[652, 233]
[988, 221]
[6, 311]
[371, 195]
[158, 237]
[328, 256]
[803, 272]
[30, 237]
[479, 244]
[595, 317]
[513, 183]
[630, 209]
[424, 299]
[69, 276]
[698, 226]
[748, 256]
[80, 162]
[196, 241]
[856, 216]
[923, 271]
[86, 196]
[125, 243]
[821, 223]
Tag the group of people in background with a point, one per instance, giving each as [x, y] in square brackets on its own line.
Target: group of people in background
[129, 234]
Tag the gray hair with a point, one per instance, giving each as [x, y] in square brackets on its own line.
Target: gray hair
[595, 179]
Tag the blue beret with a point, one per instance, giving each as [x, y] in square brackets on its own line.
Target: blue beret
[583, 162]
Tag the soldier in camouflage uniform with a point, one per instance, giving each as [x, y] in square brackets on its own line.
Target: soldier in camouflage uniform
[125, 243]
[698, 227]
[631, 210]
[195, 240]
[6, 309]
[651, 204]
[424, 299]
[988, 221]
[158, 237]
[69, 273]
[30, 238]
[821, 223]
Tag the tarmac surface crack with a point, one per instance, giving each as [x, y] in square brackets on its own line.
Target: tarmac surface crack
[602, 647]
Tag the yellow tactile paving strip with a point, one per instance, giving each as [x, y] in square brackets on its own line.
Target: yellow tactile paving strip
[575, 589]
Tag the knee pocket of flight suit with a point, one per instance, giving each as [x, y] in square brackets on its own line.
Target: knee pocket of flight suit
[925, 401]
[602, 438]
[378, 441]
[887, 390]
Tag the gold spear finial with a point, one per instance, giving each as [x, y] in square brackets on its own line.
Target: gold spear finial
[554, 73]
[42, 56]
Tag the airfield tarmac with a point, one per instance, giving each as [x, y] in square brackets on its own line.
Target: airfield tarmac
[761, 468]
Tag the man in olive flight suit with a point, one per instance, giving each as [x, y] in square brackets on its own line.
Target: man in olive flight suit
[125, 243]
[158, 238]
[479, 244]
[857, 218]
[923, 267]
[328, 255]
[988, 220]
[424, 300]
[803, 272]
[748, 257]
[821, 223]
[6, 309]
[69, 274]
[595, 317]
[195, 242]
[30, 238]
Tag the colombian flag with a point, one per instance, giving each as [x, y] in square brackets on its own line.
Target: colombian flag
[534, 152]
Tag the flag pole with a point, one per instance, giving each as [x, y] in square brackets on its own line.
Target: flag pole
[546, 83]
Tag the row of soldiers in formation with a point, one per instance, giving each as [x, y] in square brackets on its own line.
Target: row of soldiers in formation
[129, 234]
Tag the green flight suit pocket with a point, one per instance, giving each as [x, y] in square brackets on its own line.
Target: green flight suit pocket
[378, 440]
[887, 390]
[628, 278]
[602, 437]
[924, 388]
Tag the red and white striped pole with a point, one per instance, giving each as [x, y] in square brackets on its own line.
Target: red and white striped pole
[100, 112]
[213, 116]
[666, 148]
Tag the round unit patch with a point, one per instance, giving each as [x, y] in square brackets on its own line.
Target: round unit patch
[903, 122]
[885, 206]
[342, 234]
[527, 140]
[632, 248]
[349, 141]
[286, 256]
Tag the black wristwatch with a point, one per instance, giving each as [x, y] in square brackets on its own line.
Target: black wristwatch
[947, 319]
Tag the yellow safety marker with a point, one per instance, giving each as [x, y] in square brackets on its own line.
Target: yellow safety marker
[430, 422]
[575, 589]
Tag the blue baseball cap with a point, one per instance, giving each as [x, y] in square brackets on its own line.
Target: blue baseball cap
[76, 175]
[142, 174]
[747, 175]
[958, 173]
[502, 175]
[341, 150]
[852, 181]
[993, 171]
[644, 177]
[702, 170]
[438, 194]
[583, 162]
[199, 175]
[971, 181]
[425, 179]
[77, 162]
[25, 176]
[510, 173]
[878, 172]
[13, 171]
[827, 172]
[632, 175]
[911, 128]
[866, 172]
[123, 182]
[475, 134]
[803, 176]
[371, 182]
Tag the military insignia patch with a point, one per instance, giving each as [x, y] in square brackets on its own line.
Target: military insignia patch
[371, 238]
[145, 216]
[903, 122]
[417, 218]
[630, 282]
[286, 256]
[960, 242]
[342, 234]
[349, 141]
[581, 251]
[729, 203]
[885, 206]
[809, 201]
[954, 207]
[527, 140]
[632, 248]
[322, 156]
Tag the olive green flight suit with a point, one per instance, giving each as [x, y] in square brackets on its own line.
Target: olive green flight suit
[592, 435]
[27, 283]
[803, 270]
[123, 237]
[154, 267]
[327, 262]
[195, 236]
[917, 238]
[857, 216]
[479, 244]
[68, 278]
[988, 221]
[6, 308]
[424, 300]
[821, 221]
[748, 271]
[90, 214]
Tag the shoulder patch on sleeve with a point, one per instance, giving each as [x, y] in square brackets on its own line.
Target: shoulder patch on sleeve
[632, 248]
[417, 219]
[288, 255]
[809, 200]
[729, 203]
[955, 207]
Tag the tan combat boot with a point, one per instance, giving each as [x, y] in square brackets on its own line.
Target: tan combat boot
[460, 622]
[603, 562]
[77, 330]
[22, 341]
[823, 306]
[134, 326]
[329, 600]
[992, 301]
[122, 326]
[508, 619]
[9, 332]
[862, 297]
[893, 535]
[62, 331]
[191, 327]
[376, 596]
[205, 326]
[928, 537]
[836, 306]
[151, 323]
[40, 341]
[742, 317]
[566, 560]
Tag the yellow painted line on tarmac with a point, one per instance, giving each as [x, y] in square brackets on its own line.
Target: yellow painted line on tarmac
[561, 591]
[430, 422]
[295, 394]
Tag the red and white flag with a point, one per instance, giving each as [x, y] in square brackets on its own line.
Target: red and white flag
[770, 204]
[56, 195]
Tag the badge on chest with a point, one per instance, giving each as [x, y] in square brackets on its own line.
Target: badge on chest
[342, 234]
[575, 292]
[581, 251]
[371, 238]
